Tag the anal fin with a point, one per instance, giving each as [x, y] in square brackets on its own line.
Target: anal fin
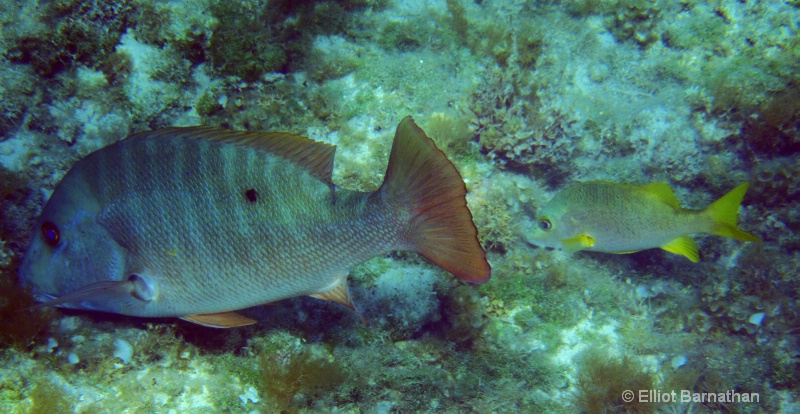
[220, 320]
[339, 293]
[683, 246]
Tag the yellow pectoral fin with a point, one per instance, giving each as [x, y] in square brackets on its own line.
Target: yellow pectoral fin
[579, 242]
[683, 246]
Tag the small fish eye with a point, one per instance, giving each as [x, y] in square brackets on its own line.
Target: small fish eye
[50, 233]
[545, 224]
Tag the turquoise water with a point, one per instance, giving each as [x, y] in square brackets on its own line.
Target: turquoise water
[526, 98]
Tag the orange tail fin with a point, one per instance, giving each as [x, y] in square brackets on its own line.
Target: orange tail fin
[421, 179]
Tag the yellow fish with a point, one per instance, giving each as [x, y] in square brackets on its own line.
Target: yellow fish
[619, 218]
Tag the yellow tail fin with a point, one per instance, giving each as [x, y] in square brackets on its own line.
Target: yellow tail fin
[725, 211]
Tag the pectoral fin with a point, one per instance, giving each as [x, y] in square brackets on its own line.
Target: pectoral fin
[220, 320]
[338, 292]
[109, 296]
[683, 246]
[579, 242]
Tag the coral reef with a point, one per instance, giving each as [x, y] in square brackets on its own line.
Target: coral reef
[77, 33]
[525, 98]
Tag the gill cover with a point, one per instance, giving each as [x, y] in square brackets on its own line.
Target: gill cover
[70, 248]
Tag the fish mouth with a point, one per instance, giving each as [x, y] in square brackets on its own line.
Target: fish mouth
[538, 243]
[42, 297]
[545, 244]
[534, 242]
[47, 299]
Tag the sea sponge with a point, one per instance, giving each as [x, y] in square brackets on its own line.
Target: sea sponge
[635, 20]
[401, 300]
[464, 313]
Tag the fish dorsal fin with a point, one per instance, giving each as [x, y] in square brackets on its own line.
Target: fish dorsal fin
[220, 320]
[339, 293]
[683, 246]
[663, 192]
[315, 157]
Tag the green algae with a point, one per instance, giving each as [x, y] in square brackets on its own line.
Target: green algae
[601, 383]
[47, 398]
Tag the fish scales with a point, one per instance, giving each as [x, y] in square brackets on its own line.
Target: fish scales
[200, 222]
[625, 221]
[249, 245]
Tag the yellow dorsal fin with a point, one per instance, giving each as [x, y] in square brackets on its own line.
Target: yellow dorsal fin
[339, 293]
[683, 246]
[220, 320]
[316, 157]
[579, 242]
[663, 192]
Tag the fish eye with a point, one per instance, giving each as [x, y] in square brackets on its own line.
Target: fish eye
[545, 224]
[51, 234]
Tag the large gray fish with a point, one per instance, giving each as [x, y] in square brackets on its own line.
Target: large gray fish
[199, 222]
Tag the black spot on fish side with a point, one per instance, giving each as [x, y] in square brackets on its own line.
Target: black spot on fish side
[251, 195]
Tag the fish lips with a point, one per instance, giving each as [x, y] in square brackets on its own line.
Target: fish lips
[532, 240]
